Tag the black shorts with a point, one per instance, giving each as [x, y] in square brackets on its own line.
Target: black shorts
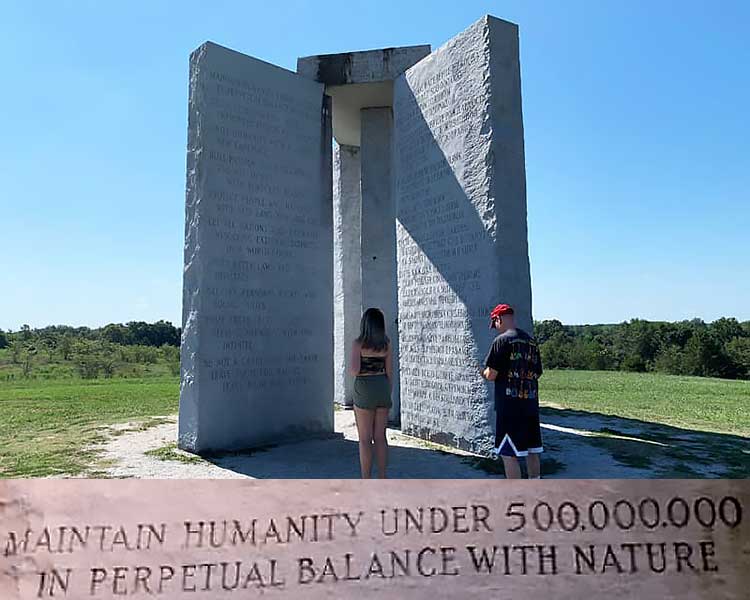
[517, 434]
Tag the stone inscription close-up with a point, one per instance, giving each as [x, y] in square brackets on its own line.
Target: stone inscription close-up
[419, 539]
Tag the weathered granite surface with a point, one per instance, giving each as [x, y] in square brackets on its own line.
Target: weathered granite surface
[379, 229]
[357, 81]
[347, 267]
[365, 66]
[462, 236]
[257, 348]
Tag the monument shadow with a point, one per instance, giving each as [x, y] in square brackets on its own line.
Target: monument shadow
[651, 449]
[482, 259]
[462, 228]
[339, 459]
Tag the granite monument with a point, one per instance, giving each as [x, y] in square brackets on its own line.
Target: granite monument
[392, 178]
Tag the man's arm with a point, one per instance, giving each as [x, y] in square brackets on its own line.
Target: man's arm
[493, 362]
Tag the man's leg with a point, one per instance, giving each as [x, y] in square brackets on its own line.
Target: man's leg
[512, 468]
[533, 441]
[533, 466]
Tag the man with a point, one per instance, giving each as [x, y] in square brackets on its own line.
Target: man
[514, 364]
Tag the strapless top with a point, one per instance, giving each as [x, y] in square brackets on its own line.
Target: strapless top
[371, 365]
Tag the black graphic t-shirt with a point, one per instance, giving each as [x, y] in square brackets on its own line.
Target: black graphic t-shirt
[515, 356]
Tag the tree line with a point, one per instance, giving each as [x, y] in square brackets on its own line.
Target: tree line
[717, 349]
[134, 333]
[131, 349]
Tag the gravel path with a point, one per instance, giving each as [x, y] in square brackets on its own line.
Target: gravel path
[124, 454]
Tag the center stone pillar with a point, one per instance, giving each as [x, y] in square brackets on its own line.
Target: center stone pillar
[347, 277]
[378, 229]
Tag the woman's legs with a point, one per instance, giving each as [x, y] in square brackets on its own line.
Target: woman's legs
[381, 442]
[365, 419]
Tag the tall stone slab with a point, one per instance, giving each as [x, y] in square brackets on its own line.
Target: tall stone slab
[257, 348]
[379, 229]
[347, 272]
[461, 231]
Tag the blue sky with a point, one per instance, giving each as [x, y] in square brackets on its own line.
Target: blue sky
[636, 121]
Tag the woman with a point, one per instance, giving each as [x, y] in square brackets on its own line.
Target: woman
[371, 365]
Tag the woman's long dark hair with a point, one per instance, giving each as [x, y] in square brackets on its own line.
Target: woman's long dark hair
[372, 330]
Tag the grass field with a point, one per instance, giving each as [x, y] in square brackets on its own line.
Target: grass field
[47, 425]
[715, 405]
[670, 426]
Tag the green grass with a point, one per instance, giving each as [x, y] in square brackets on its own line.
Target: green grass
[46, 425]
[674, 426]
[170, 452]
[715, 405]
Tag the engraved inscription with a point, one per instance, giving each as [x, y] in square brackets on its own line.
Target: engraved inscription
[258, 252]
[440, 113]
[680, 539]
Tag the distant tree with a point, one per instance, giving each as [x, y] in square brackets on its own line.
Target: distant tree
[141, 333]
[726, 329]
[163, 332]
[601, 357]
[108, 366]
[544, 330]
[705, 356]
[115, 333]
[173, 334]
[16, 348]
[677, 334]
[3, 340]
[633, 362]
[27, 359]
[738, 350]
[88, 366]
[641, 343]
[48, 341]
[172, 357]
[671, 360]
[25, 333]
[66, 346]
[556, 351]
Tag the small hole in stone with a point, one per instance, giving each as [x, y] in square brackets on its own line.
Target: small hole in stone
[374, 257]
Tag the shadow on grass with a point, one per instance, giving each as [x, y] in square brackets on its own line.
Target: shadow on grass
[668, 451]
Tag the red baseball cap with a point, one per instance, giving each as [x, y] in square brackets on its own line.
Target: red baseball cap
[500, 309]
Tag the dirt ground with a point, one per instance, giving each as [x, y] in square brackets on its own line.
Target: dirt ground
[577, 445]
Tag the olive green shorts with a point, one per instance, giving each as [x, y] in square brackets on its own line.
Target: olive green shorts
[372, 391]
